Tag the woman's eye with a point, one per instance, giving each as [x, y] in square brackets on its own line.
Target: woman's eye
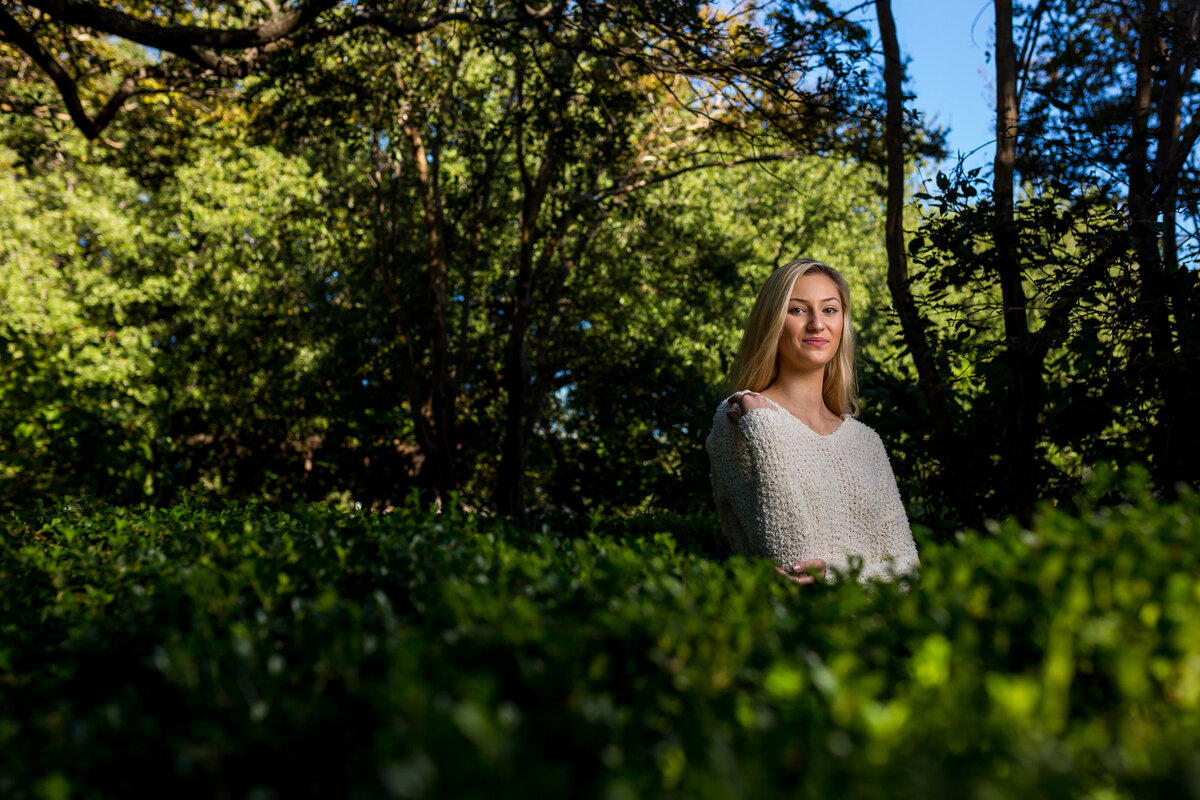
[796, 310]
[831, 310]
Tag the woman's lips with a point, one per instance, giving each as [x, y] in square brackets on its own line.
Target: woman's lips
[816, 341]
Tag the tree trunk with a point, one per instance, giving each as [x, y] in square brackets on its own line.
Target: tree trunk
[436, 416]
[517, 375]
[1142, 206]
[1146, 202]
[929, 379]
[1019, 442]
[1163, 282]
[384, 223]
[510, 488]
[441, 394]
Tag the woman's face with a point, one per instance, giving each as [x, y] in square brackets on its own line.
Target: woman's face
[812, 324]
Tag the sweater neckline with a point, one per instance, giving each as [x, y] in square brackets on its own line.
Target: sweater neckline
[803, 424]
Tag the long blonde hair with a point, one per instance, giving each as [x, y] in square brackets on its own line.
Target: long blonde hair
[757, 364]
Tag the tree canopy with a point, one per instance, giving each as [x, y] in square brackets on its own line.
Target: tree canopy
[501, 254]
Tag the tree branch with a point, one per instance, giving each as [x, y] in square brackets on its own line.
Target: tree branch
[640, 183]
[1167, 176]
[67, 88]
[181, 39]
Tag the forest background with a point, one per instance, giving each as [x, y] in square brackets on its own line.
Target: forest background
[270, 268]
[502, 254]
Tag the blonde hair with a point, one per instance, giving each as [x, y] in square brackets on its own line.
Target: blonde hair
[757, 365]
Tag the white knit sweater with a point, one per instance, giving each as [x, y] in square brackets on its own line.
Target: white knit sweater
[787, 493]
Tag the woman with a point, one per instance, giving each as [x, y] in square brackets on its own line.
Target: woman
[797, 478]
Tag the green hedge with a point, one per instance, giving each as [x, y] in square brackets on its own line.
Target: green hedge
[244, 651]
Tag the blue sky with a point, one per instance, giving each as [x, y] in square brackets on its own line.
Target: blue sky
[947, 43]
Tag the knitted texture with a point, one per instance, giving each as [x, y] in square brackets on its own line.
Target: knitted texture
[787, 493]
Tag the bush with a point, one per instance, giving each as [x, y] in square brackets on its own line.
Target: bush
[245, 651]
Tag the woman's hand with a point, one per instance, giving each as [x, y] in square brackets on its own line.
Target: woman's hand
[743, 403]
[800, 570]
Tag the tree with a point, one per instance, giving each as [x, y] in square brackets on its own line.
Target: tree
[765, 46]
[457, 113]
[1147, 55]
[457, 127]
[1049, 281]
[157, 337]
[913, 326]
[485, 196]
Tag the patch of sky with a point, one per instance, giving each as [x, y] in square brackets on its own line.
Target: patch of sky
[563, 395]
[947, 45]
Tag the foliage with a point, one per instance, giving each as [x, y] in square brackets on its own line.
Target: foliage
[144, 331]
[797, 63]
[70, 388]
[1081, 321]
[239, 650]
[486, 193]
[1064, 320]
[482, 258]
[627, 428]
[227, 324]
[507, 232]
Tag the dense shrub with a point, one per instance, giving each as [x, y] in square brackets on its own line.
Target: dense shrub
[243, 651]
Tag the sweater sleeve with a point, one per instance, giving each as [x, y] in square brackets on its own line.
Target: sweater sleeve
[895, 533]
[730, 472]
[762, 508]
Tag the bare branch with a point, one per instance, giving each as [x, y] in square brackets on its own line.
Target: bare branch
[636, 183]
